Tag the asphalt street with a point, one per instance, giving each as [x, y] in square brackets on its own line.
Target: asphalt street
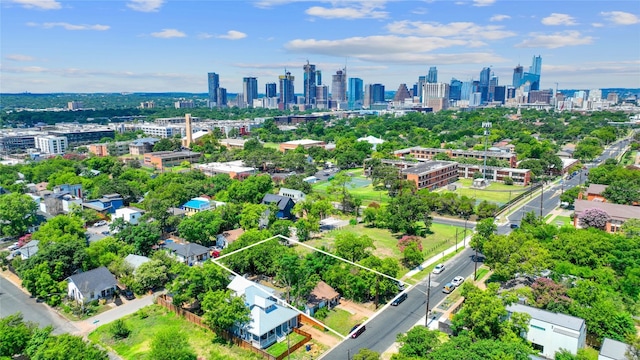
[13, 300]
[383, 329]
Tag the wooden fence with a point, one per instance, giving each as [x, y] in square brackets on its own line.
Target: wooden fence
[307, 320]
[195, 319]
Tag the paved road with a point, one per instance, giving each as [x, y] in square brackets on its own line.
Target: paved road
[550, 198]
[13, 300]
[382, 330]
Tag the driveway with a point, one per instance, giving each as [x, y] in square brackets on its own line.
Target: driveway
[129, 307]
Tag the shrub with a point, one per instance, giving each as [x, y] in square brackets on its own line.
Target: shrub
[119, 330]
[353, 222]
[507, 180]
[321, 314]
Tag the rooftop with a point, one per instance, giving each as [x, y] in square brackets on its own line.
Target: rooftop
[615, 211]
[94, 280]
[596, 189]
[613, 349]
[187, 250]
[428, 166]
[567, 321]
[172, 154]
[303, 142]
[226, 167]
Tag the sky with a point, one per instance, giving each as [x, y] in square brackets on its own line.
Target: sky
[170, 46]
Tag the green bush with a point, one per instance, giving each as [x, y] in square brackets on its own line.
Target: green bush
[508, 180]
[321, 314]
[119, 330]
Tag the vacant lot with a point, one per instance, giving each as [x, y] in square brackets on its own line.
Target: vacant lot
[360, 188]
[386, 243]
[496, 192]
[143, 330]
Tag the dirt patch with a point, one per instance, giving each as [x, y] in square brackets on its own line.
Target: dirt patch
[356, 308]
[325, 338]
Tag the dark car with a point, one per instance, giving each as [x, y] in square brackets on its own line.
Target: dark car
[128, 294]
[397, 301]
[513, 226]
[357, 330]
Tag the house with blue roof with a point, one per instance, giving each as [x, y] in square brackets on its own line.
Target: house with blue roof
[108, 203]
[270, 321]
[283, 204]
[200, 203]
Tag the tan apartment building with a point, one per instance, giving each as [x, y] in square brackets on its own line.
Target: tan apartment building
[105, 149]
[432, 174]
[495, 173]
[421, 154]
[166, 159]
[306, 143]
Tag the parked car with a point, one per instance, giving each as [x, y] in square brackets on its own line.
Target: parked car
[100, 223]
[448, 288]
[513, 226]
[397, 301]
[128, 294]
[106, 232]
[13, 246]
[457, 281]
[438, 269]
[357, 330]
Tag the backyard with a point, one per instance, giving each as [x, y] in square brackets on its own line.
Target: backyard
[147, 322]
[342, 321]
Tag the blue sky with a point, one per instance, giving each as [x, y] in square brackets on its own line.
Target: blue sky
[159, 46]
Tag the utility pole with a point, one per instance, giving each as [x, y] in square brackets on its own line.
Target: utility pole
[541, 198]
[426, 317]
[475, 266]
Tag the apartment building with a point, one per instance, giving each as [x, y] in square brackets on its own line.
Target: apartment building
[51, 144]
[432, 174]
[495, 173]
[421, 154]
[166, 159]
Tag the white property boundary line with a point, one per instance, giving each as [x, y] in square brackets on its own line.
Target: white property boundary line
[216, 261]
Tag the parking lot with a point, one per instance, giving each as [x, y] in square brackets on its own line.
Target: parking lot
[96, 233]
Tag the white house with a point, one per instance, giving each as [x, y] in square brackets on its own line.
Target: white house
[135, 261]
[270, 321]
[91, 285]
[189, 253]
[551, 332]
[296, 195]
[374, 141]
[129, 215]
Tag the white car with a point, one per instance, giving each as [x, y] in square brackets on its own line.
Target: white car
[100, 223]
[457, 281]
[438, 269]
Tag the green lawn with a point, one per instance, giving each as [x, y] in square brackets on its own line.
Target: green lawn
[137, 345]
[386, 243]
[271, 145]
[629, 158]
[342, 321]
[496, 192]
[366, 193]
[482, 272]
[566, 221]
[280, 348]
[419, 276]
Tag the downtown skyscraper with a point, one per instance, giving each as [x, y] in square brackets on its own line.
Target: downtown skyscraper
[432, 76]
[287, 94]
[213, 80]
[355, 93]
[249, 91]
[309, 84]
[339, 86]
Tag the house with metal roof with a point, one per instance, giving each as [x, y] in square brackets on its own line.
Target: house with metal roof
[270, 321]
[284, 204]
[296, 195]
[613, 350]
[551, 332]
[190, 253]
[200, 203]
[135, 261]
[91, 285]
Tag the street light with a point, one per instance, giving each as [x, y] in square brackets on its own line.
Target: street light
[486, 126]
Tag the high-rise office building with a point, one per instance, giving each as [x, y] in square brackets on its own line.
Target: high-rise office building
[322, 96]
[270, 90]
[373, 93]
[339, 86]
[530, 82]
[500, 94]
[455, 89]
[221, 95]
[518, 73]
[213, 81]
[319, 77]
[287, 95]
[435, 91]
[536, 65]
[432, 76]
[355, 93]
[309, 84]
[402, 93]
[249, 91]
[485, 76]
[466, 90]
[421, 81]
[493, 82]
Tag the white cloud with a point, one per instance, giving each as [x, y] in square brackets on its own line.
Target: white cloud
[499, 17]
[559, 19]
[393, 49]
[455, 29]
[168, 34]
[265, 4]
[555, 40]
[483, 2]
[233, 35]
[597, 25]
[359, 11]
[39, 4]
[19, 57]
[205, 36]
[72, 27]
[145, 5]
[620, 17]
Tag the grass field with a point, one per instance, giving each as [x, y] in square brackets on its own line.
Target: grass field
[629, 158]
[280, 348]
[495, 192]
[361, 188]
[342, 321]
[566, 221]
[386, 243]
[137, 345]
[271, 145]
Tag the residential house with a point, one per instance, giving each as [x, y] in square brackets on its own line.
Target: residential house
[551, 332]
[129, 215]
[271, 320]
[199, 204]
[135, 261]
[594, 193]
[613, 350]
[228, 237]
[91, 285]
[321, 296]
[296, 195]
[189, 253]
[283, 203]
[310, 179]
[107, 204]
[374, 141]
[28, 250]
[618, 214]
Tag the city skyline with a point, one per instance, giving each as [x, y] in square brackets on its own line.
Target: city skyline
[160, 46]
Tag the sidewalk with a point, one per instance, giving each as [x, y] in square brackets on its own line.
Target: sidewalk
[438, 258]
